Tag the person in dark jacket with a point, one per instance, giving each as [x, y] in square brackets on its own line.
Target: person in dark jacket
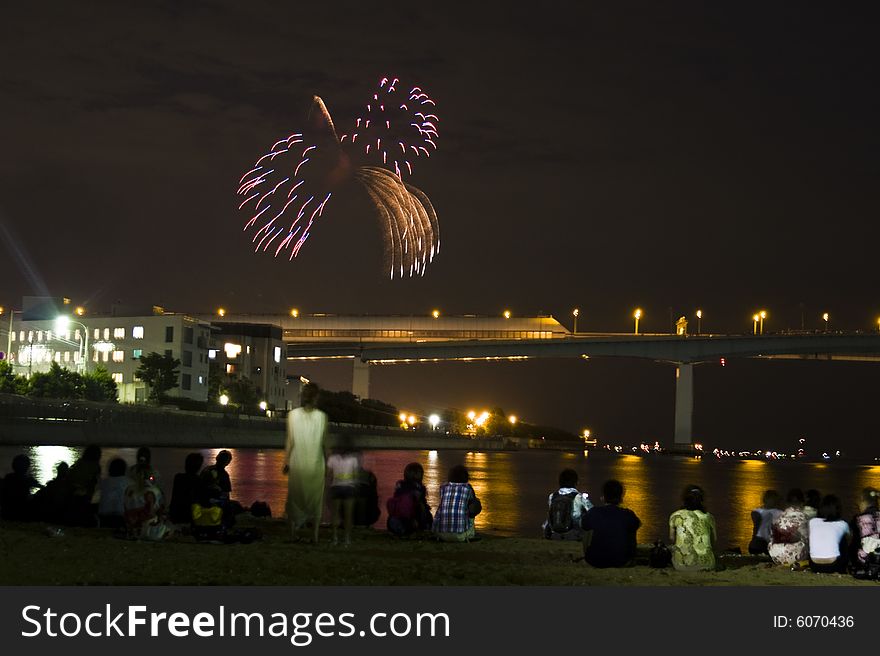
[609, 531]
[186, 490]
[16, 502]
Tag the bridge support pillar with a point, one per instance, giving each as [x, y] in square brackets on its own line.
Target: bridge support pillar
[684, 404]
[360, 382]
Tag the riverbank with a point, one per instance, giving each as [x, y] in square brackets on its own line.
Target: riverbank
[29, 556]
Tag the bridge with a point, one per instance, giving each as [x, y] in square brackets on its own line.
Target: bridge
[400, 340]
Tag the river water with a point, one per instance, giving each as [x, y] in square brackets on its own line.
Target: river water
[513, 486]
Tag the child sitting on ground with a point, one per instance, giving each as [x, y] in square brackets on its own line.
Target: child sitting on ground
[408, 509]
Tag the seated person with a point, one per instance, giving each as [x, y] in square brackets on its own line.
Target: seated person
[408, 509]
[16, 502]
[144, 510]
[217, 477]
[454, 521]
[366, 505]
[692, 533]
[51, 501]
[111, 507]
[789, 532]
[866, 527]
[762, 522]
[186, 490]
[828, 537]
[610, 530]
[83, 478]
[566, 505]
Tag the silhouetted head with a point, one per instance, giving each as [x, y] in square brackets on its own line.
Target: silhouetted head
[117, 467]
[830, 510]
[770, 499]
[568, 478]
[612, 491]
[795, 497]
[692, 498]
[458, 474]
[813, 498]
[92, 453]
[223, 458]
[20, 464]
[62, 469]
[870, 497]
[309, 395]
[193, 463]
[413, 473]
[144, 456]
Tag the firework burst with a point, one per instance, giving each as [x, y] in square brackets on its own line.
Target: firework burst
[288, 188]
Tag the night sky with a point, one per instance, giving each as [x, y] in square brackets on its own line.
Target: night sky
[712, 155]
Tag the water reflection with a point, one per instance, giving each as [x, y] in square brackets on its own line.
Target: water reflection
[44, 459]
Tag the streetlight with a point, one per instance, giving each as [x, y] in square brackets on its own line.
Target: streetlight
[224, 400]
[264, 406]
[434, 420]
[221, 312]
[507, 314]
[62, 323]
[575, 314]
[825, 319]
[699, 322]
[637, 315]
[763, 315]
[512, 419]
[755, 319]
[294, 313]
[436, 314]
[80, 310]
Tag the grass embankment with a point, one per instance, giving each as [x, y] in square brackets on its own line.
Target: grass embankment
[28, 556]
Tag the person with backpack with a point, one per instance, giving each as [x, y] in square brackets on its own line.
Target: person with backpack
[408, 509]
[566, 505]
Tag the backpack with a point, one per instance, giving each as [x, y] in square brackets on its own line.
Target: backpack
[402, 505]
[561, 508]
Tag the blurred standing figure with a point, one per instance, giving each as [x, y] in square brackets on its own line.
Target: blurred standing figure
[304, 462]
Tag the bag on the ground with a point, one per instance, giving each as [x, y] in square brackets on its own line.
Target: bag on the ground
[660, 555]
[207, 516]
[871, 570]
[561, 508]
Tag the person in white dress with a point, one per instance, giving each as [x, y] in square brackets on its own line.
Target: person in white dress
[304, 463]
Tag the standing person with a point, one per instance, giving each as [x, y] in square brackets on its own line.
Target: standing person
[304, 462]
[692, 533]
[111, 506]
[565, 507]
[344, 468]
[866, 527]
[762, 522]
[458, 506]
[790, 531]
[828, 536]
[610, 530]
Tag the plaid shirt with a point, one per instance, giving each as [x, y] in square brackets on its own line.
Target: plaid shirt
[452, 513]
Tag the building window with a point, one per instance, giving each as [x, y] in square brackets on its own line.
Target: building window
[201, 380]
[76, 357]
[232, 350]
[117, 377]
[30, 337]
[230, 368]
[12, 336]
[188, 334]
[137, 332]
[106, 357]
[248, 349]
[119, 333]
[169, 333]
[136, 354]
[118, 356]
[277, 354]
[21, 336]
[186, 382]
[58, 357]
[95, 357]
[212, 354]
[187, 359]
[97, 333]
[39, 335]
[106, 334]
[67, 356]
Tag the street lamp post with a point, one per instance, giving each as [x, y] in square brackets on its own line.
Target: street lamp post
[62, 323]
[699, 322]
[755, 319]
[575, 314]
[763, 315]
[825, 319]
[637, 315]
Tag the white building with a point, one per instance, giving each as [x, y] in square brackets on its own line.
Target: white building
[253, 351]
[117, 344]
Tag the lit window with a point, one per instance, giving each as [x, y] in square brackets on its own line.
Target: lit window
[58, 357]
[117, 377]
[201, 380]
[97, 333]
[67, 356]
[248, 349]
[230, 368]
[39, 335]
[137, 332]
[12, 336]
[76, 357]
[95, 357]
[106, 333]
[119, 333]
[137, 353]
[232, 350]
[31, 336]
[76, 334]
[212, 354]
[118, 356]
[277, 354]
[106, 357]
[21, 336]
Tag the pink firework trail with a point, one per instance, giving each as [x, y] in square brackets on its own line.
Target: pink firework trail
[287, 189]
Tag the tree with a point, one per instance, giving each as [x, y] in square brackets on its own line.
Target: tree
[242, 393]
[57, 383]
[100, 386]
[160, 372]
[9, 382]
